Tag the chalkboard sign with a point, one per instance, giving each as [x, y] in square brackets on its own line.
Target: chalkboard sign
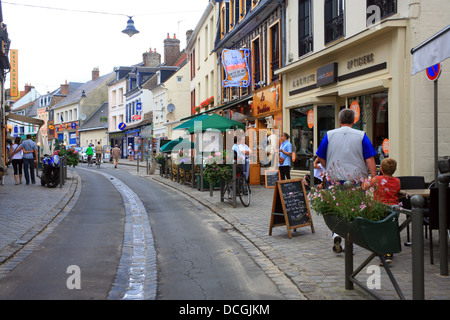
[290, 206]
[271, 177]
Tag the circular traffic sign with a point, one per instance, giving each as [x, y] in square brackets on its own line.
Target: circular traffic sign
[434, 72]
[122, 126]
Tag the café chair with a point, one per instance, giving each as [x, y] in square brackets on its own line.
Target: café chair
[433, 216]
[411, 182]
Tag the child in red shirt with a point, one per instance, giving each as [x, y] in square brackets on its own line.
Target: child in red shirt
[386, 186]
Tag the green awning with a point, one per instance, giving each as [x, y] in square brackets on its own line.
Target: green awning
[190, 123]
[218, 123]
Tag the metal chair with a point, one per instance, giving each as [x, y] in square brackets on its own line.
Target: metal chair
[433, 216]
[410, 182]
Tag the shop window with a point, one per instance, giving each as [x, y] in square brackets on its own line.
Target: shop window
[386, 8]
[305, 27]
[334, 20]
[373, 119]
[302, 137]
[224, 19]
[275, 62]
[256, 63]
[325, 121]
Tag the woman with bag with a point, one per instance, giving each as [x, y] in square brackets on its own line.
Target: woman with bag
[16, 156]
[285, 157]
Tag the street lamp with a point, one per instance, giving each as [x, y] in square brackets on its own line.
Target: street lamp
[130, 29]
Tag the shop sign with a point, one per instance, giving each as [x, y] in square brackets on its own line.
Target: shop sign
[267, 100]
[235, 64]
[386, 146]
[14, 77]
[310, 119]
[305, 80]
[360, 61]
[137, 117]
[355, 107]
[327, 74]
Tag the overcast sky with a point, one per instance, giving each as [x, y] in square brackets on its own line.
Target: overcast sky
[59, 45]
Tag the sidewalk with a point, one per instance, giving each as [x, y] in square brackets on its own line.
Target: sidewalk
[307, 259]
[26, 210]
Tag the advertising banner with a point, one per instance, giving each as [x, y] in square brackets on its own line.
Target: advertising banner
[14, 73]
[235, 64]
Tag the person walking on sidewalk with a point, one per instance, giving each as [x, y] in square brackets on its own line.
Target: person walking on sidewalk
[115, 153]
[285, 157]
[346, 154]
[16, 156]
[29, 159]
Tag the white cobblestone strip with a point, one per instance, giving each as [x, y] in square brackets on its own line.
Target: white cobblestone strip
[136, 277]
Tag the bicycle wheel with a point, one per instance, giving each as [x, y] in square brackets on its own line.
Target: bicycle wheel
[243, 190]
[227, 192]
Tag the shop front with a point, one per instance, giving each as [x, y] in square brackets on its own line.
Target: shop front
[265, 131]
[362, 74]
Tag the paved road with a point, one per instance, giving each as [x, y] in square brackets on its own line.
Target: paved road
[196, 257]
[89, 237]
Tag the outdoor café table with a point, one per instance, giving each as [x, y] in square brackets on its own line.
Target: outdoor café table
[412, 192]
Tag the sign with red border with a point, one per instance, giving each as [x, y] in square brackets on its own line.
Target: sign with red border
[434, 72]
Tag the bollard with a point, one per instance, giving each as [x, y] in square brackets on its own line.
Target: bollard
[60, 173]
[417, 203]
[348, 264]
[443, 243]
[234, 185]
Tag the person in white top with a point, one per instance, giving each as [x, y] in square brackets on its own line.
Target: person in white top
[16, 156]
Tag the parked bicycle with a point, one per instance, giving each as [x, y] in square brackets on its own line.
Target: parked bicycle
[242, 188]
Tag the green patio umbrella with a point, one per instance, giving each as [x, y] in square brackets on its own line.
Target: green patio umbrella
[217, 122]
[190, 123]
[178, 144]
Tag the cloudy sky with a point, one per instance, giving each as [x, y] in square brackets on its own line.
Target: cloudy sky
[57, 42]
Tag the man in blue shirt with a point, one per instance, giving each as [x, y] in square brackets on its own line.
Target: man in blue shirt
[29, 157]
[347, 153]
[285, 157]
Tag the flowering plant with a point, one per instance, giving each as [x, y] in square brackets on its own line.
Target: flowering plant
[183, 158]
[71, 154]
[348, 201]
[218, 167]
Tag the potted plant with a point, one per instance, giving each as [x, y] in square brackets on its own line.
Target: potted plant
[218, 168]
[71, 154]
[353, 213]
[160, 159]
[183, 161]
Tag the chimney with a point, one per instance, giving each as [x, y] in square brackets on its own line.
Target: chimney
[95, 74]
[189, 35]
[171, 50]
[27, 88]
[151, 59]
[65, 89]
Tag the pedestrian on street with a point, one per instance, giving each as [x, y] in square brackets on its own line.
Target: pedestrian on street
[130, 152]
[285, 157]
[115, 153]
[347, 154]
[16, 156]
[29, 159]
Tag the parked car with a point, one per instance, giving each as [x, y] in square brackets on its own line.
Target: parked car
[84, 157]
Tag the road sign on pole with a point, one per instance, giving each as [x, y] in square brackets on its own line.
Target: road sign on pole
[434, 72]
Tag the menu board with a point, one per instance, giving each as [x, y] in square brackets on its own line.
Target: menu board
[290, 206]
[271, 177]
